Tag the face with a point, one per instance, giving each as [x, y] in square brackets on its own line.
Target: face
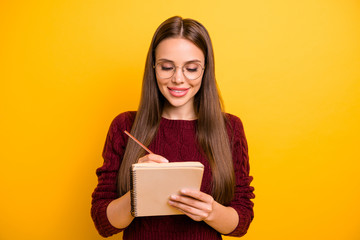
[180, 88]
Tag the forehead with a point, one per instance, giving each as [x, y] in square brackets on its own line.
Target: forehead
[178, 50]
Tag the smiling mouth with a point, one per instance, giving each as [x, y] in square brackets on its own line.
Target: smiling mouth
[178, 92]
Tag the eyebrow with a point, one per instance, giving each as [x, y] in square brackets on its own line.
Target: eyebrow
[168, 60]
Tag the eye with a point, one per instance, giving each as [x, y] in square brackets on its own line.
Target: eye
[192, 67]
[166, 66]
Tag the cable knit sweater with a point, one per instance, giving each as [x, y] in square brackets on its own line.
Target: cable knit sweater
[176, 141]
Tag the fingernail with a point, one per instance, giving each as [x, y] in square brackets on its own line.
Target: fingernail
[164, 160]
[173, 197]
[183, 191]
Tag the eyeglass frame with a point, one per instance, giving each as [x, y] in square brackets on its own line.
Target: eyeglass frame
[182, 69]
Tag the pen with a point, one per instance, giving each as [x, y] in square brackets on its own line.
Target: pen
[138, 142]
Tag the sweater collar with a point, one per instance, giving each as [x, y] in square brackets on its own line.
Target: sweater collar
[171, 123]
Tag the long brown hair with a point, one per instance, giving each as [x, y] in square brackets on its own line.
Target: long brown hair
[211, 124]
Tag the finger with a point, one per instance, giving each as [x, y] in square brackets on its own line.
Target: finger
[194, 213]
[195, 217]
[197, 195]
[192, 202]
[152, 158]
[157, 158]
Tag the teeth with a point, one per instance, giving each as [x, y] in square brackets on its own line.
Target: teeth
[178, 91]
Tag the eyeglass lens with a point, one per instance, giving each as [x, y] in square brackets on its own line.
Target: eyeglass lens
[191, 70]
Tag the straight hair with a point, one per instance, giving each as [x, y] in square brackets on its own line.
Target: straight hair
[211, 130]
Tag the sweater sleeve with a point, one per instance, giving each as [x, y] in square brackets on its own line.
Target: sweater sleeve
[243, 191]
[106, 189]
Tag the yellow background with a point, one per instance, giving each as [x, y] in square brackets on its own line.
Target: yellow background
[289, 69]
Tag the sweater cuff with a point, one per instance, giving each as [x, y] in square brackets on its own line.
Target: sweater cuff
[103, 225]
[243, 225]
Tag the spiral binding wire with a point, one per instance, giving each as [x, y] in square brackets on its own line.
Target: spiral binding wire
[132, 192]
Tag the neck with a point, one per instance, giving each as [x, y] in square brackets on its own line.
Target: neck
[175, 113]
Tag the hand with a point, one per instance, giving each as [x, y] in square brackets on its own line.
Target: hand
[152, 158]
[195, 204]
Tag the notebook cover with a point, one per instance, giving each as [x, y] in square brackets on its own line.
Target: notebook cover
[153, 183]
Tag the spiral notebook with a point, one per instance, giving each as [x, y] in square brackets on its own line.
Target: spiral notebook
[153, 183]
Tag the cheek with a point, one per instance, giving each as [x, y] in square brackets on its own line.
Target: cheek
[197, 86]
[161, 86]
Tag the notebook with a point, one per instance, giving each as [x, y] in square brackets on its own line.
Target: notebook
[153, 183]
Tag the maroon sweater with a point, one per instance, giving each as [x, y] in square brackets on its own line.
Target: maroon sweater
[176, 141]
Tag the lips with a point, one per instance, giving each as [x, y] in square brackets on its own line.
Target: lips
[178, 92]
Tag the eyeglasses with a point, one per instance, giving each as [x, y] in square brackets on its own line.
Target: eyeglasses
[167, 69]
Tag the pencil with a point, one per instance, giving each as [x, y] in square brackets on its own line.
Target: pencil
[138, 142]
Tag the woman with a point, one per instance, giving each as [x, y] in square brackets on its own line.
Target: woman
[180, 118]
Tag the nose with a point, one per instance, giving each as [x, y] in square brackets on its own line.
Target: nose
[178, 76]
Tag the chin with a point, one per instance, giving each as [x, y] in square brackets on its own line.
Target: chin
[178, 103]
